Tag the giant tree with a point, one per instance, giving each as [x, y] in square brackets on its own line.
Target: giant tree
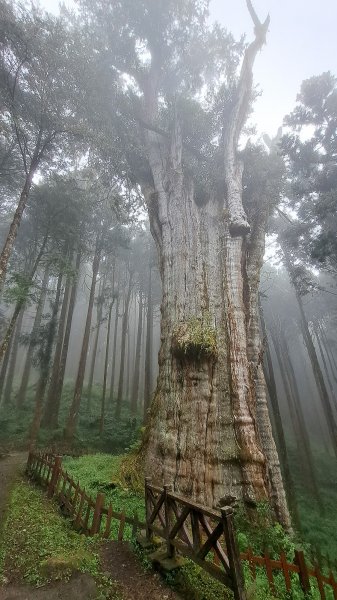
[209, 430]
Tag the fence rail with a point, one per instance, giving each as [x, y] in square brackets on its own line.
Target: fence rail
[90, 516]
[203, 535]
[208, 538]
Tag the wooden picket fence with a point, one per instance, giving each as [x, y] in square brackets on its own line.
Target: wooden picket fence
[205, 536]
[90, 516]
[306, 573]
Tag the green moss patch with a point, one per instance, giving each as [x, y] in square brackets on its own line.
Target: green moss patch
[195, 339]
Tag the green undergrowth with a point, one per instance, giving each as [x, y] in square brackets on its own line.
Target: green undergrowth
[318, 522]
[118, 435]
[102, 473]
[39, 545]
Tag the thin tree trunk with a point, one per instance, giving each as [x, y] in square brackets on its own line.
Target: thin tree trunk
[57, 390]
[21, 301]
[4, 367]
[123, 346]
[329, 354]
[128, 365]
[148, 349]
[13, 230]
[12, 364]
[106, 362]
[323, 392]
[321, 351]
[282, 446]
[135, 383]
[21, 396]
[302, 437]
[45, 359]
[316, 369]
[114, 351]
[49, 414]
[76, 402]
[96, 338]
[312, 480]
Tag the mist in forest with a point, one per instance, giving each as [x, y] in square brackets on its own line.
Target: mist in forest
[168, 268]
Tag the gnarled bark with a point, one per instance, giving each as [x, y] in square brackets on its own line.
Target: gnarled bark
[209, 431]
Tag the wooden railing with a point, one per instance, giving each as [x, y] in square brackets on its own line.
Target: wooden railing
[90, 516]
[305, 572]
[203, 535]
[208, 538]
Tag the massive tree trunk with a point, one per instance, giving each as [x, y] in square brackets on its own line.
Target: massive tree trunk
[209, 431]
[21, 396]
[136, 373]
[76, 402]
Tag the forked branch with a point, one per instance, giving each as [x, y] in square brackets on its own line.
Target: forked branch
[238, 224]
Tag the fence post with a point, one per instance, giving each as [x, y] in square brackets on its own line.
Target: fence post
[55, 476]
[147, 510]
[233, 554]
[96, 521]
[168, 520]
[303, 574]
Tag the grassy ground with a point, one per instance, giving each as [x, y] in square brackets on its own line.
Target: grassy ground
[40, 546]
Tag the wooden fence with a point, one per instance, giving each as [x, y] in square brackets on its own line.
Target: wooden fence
[203, 535]
[90, 516]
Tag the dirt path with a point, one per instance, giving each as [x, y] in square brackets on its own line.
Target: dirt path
[11, 467]
[120, 562]
[80, 586]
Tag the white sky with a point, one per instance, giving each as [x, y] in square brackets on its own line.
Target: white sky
[302, 42]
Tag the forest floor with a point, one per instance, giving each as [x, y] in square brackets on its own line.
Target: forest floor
[11, 466]
[118, 562]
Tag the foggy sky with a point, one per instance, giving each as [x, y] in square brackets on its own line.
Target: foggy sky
[301, 42]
